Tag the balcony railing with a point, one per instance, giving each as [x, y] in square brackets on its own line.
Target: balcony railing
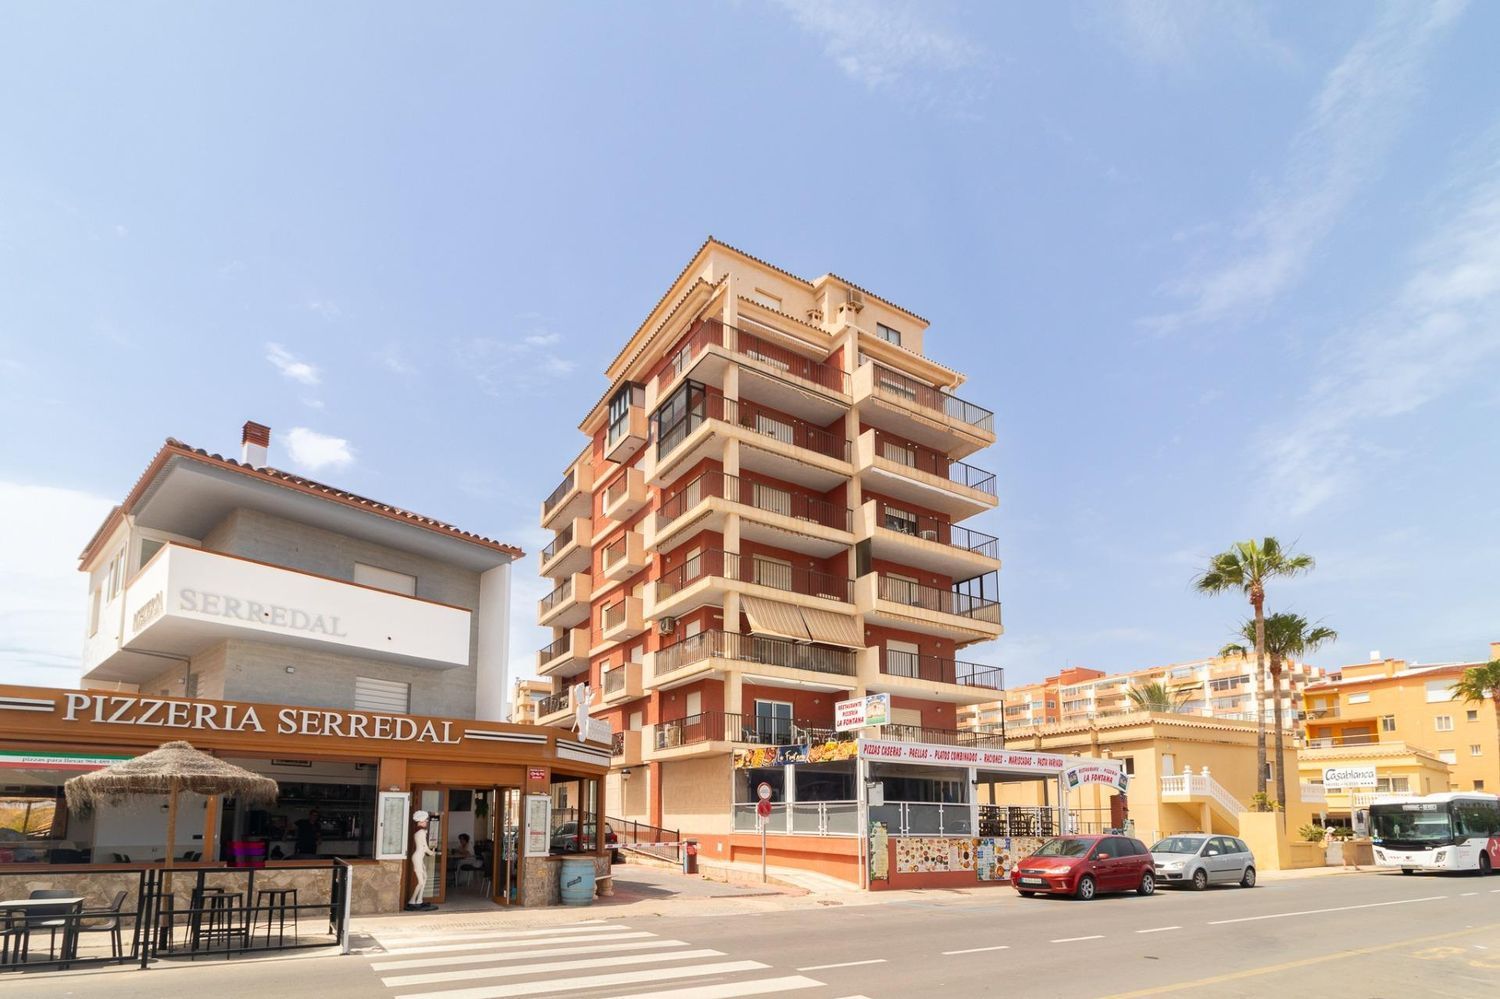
[768, 422]
[551, 651]
[555, 497]
[557, 596]
[613, 680]
[553, 703]
[985, 737]
[709, 726]
[895, 385]
[716, 333]
[930, 598]
[925, 459]
[617, 744]
[563, 539]
[755, 649]
[1336, 741]
[787, 502]
[716, 726]
[613, 615]
[917, 525]
[778, 575]
[937, 670]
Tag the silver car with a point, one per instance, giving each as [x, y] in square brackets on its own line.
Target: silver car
[1200, 860]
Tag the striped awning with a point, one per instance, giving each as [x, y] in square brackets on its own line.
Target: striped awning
[832, 629]
[767, 617]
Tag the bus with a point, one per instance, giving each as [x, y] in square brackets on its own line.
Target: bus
[1452, 831]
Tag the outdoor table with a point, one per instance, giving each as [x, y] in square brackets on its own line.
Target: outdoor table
[70, 921]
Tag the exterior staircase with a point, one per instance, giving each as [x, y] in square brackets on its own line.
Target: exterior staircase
[1217, 810]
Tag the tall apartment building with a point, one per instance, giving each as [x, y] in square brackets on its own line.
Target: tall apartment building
[234, 580]
[1369, 711]
[526, 698]
[767, 520]
[1221, 687]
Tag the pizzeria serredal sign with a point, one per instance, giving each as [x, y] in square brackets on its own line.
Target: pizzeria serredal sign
[161, 712]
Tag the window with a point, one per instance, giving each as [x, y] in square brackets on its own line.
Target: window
[901, 658]
[619, 411]
[1388, 723]
[771, 499]
[1448, 755]
[390, 696]
[1359, 698]
[1443, 723]
[1392, 785]
[1439, 690]
[903, 521]
[1475, 749]
[1129, 762]
[773, 722]
[94, 613]
[385, 579]
[773, 572]
[888, 334]
[1479, 785]
[902, 589]
[774, 428]
[899, 453]
[1471, 715]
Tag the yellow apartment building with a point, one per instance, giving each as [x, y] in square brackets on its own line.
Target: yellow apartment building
[1398, 768]
[1390, 702]
[524, 698]
[770, 516]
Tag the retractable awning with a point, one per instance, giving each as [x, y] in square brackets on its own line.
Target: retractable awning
[832, 629]
[767, 617]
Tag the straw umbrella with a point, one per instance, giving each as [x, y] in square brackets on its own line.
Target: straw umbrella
[171, 769]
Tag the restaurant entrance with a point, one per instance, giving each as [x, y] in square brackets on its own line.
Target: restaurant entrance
[473, 835]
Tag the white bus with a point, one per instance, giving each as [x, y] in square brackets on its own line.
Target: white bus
[1452, 831]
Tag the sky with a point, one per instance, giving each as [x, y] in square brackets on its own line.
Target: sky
[1221, 270]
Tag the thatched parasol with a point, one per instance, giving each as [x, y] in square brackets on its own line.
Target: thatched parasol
[171, 769]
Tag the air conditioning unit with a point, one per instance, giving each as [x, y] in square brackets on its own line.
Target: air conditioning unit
[856, 299]
[666, 625]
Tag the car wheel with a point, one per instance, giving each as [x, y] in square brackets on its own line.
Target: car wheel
[1407, 870]
[1086, 888]
[1248, 881]
[1200, 879]
[1484, 865]
[1148, 884]
[1027, 894]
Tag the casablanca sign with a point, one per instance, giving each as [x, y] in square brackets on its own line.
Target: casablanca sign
[1344, 778]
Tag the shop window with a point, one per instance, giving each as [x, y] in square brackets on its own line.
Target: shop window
[324, 809]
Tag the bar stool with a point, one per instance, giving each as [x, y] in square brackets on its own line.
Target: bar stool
[274, 900]
[224, 912]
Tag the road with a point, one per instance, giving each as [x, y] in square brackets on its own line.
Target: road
[1350, 934]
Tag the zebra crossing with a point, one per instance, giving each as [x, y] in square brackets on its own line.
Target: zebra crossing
[611, 960]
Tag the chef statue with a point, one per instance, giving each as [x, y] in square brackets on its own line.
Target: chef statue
[583, 695]
[421, 849]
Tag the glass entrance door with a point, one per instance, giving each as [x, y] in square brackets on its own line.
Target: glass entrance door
[507, 854]
[433, 801]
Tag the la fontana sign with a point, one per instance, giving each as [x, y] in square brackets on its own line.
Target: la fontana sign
[119, 709]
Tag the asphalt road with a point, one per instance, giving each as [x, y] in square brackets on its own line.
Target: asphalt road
[1352, 935]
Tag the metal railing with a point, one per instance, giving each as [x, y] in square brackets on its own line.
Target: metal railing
[801, 818]
[938, 670]
[563, 488]
[646, 838]
[563, 539]
[553, 703]
[1019, 820]
[895, 385]
[930, 598]
[617, 744]
[715, 332]
[615, 615]
[556, 597]
[755, 649]
[929, 528]
[1335, 741]
[979, 737]
[763, 420]
[757, 730]
[787, 502]
[763, 572]
[707, 726]
[613, 681]
[925, 459]
[549, 652]
[925, 818]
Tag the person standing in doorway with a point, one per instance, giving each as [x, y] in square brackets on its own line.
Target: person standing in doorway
[421, 849]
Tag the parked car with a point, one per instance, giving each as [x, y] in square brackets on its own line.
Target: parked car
[1083, 866]
[567, 839]
[1200, 860]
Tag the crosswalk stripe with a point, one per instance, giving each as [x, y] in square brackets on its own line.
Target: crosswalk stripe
[398, 939]
[507, 944]
[729, 990]
[522, 955]
[591, 981]
[518, 970]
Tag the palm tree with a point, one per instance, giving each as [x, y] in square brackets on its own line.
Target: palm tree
[1156, 696]
[1288, 636]
[1246, 567]
[1480, 684]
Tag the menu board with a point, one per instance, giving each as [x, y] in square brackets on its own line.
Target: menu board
[391, 823]
[538, 825]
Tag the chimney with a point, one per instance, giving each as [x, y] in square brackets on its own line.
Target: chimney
[1375, 656]
[255, 441]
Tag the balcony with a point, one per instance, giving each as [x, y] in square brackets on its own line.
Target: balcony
[977, 738]
[923, 477]
[716, 731]
[572, 498]
[929, 677]
[621, 684]
[626, 495]
[625, 748]
[900, 603]
[784, 518]
[706, 577]
[568, 604]
[773, 660]
[695, 426]
[924, 542]
[569, 551]
[566, 655]
[622, 620]
[769, 372]
[624, 557]
[921, 412]
[185, 600]
[628, 426]
[555, 708]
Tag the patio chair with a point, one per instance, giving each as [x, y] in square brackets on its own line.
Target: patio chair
[45, 917]
[110, 923]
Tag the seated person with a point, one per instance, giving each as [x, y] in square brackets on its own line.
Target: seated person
[464, 855]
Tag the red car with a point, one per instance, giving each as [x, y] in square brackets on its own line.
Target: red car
[1083, 866]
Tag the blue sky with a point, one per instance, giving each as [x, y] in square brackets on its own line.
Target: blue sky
[1220, 270]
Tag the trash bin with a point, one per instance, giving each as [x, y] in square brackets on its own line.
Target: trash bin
[690, 857]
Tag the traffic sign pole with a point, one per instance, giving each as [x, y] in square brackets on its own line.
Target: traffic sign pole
[763, 812]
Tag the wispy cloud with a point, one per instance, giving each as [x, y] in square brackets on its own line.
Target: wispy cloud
[290, 366]
[1171, 34]
[314, 452]
[1349, 128]
[393, 359]
[888, 45]
[324, 307]
[1438, 332]
[528, 362]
